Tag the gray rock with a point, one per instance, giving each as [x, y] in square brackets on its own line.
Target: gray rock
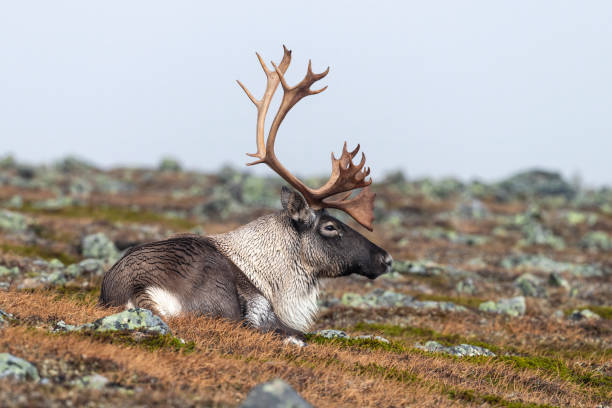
[5, 318]
[512, 307]
[17, 368]
[597, 240]
[274, 394]
[555, 279]
[471, 208]
[466, 286]
[132, 320]
[332, 334]
[99, 246]
[8, 272]
[584, 314]
[169, 164]
[421, 268]
[94, 381]
[87, 267]
[537, 182]
[529, 285]
[372, 337]
[387, 298]
[462, 350]
[13, 222]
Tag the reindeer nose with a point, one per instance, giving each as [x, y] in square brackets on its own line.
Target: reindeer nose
[388, 260]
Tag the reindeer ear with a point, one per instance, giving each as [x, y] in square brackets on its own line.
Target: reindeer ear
[296, 206]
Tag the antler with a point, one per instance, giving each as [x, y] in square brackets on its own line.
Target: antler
[345, 177]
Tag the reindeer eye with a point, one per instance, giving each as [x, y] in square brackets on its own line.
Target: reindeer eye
[330, 227]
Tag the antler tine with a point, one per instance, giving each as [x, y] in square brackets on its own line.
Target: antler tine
[263, 104]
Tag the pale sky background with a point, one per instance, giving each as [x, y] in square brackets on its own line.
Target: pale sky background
[437, 88]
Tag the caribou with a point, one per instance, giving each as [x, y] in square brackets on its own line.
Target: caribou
[266, 273]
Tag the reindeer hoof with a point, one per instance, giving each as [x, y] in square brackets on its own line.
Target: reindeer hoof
[295, 341]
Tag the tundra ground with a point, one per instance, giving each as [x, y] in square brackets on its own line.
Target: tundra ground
[456, 246]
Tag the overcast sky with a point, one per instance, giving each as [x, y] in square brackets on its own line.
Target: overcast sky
[437, 88]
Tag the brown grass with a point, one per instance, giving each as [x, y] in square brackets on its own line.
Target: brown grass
[229, 360]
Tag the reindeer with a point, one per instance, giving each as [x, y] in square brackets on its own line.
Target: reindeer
[265, 273]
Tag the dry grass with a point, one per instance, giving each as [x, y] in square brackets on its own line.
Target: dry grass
[229, 360]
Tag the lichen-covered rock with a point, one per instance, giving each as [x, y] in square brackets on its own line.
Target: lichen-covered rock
[555, 279]
[13, 222]
[512, 307]
[597, 240]
[5, 318]
[462, 350]
[6, 272]
[17, 368]
[274, 394]
[522, 262]
[332, 334]
[132, 320]
[466, 286]
[584, 314]
[373, 337]
[529, 285]
[471, 208]
[376, 298]
[387, 298]
[421, 268]
[537, 182]
[93, 381]
[169, 164]
[87, 267]
[534, 233]
[99, 246]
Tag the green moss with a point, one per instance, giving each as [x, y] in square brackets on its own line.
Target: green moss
[605, 312]
[77, 294]
[38, 251]
[150, 342]
[467, 395]
[114, 214]
[371, 344]
[410, 332]
[558, 368]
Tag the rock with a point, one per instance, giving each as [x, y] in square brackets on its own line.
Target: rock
[422, 268]
[332, 334]
[137, 319]
[462, 350]
[555, 279]
[13, 222]
[376, 298]
[529, 285]
[597, 241]
[99, 246]
[71, 164]
[471, 208]
[584, 314]
[537, 183]
[387, 298]
[274, 394]
[87, 267]
[5, 318]
[169, 164]
[372, 337]
[545, 264]
[94, 381]
[466, 286]
[512, 307]
[8, 272]
[17, 368]
[534, 233]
